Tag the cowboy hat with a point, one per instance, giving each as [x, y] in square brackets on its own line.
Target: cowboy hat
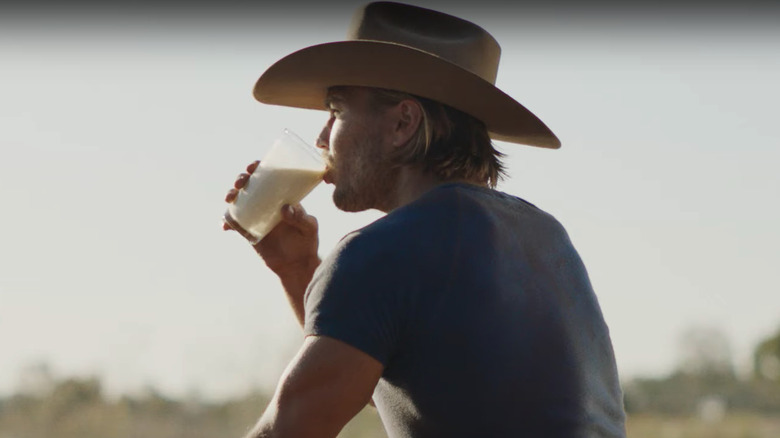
[411, 49]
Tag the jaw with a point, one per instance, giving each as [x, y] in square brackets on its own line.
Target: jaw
[377, 194]
[348, 200]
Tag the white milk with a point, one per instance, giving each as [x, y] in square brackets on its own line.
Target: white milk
[258, 205]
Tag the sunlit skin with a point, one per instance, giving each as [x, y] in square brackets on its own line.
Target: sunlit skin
[289, 250]
[358, 140]
[330, 381]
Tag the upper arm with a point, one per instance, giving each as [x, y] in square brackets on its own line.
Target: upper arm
[364, 294]
[326, 384]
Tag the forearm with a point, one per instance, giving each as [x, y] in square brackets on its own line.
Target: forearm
[274, 424]
[265, 427]
[325, 385]
[295, 280]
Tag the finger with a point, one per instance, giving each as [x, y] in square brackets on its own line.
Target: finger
[296, 216]
[292, 212]
[241, 181]
[232, 194]
[231, 224]
[252, 167]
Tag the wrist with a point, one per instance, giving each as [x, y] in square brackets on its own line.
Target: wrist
[299, 269]
[295, 279]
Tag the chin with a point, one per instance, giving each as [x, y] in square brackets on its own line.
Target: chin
[349, 202]
[349, 207]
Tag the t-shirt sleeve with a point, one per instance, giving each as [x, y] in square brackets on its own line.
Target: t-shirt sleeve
[358, 297]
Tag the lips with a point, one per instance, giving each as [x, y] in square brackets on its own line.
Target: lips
[328, 176]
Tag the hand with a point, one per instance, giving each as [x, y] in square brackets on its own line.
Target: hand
[241, 181]
[291, 247]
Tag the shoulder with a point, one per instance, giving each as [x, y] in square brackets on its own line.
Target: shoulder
[441, 208]
[435, 213]
[423, 235]
[452, 209]
[400, 242]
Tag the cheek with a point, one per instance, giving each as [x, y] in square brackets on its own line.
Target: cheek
[337, 138]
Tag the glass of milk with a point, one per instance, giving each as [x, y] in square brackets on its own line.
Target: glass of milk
[290, 170]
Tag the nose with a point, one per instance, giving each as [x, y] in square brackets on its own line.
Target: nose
[323, 140]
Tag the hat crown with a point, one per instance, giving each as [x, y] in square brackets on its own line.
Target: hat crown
[453, 39]
[414, 50]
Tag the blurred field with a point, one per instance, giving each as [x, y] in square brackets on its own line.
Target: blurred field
[737, 425]
[78, 408]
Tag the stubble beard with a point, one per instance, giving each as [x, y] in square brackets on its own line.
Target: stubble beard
[367, 181]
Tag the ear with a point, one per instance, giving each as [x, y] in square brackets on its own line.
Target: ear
[408, 115]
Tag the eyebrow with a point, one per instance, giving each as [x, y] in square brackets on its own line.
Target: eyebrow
[335, 95]
[332, 98]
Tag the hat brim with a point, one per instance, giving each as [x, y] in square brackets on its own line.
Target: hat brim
[302, 79]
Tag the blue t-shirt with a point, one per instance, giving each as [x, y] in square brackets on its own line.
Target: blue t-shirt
[481, 312]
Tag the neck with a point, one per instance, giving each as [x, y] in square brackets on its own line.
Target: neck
[412, 183]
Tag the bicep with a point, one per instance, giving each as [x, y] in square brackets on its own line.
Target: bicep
[325, 385]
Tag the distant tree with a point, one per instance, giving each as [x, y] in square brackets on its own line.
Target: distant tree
[766, 359]
[36, 380]
[71, 398]
[49, 407]
[706, 352]
[705, 384]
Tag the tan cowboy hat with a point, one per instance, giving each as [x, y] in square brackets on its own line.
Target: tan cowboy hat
[414, 50]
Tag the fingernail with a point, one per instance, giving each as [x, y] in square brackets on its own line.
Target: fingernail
[291, 210]
[241, 181]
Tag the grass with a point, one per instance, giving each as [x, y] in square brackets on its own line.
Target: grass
[731, 425]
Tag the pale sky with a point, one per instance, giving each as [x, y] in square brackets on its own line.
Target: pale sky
[119, 137]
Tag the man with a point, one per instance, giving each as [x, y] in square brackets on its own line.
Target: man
[464, 312]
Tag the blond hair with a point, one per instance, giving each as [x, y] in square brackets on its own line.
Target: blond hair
[449, 143]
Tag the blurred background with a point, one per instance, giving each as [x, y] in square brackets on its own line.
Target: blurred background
[125, 310]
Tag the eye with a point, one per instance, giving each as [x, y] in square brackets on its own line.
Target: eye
[334, 109]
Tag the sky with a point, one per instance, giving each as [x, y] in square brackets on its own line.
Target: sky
[122, 128]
